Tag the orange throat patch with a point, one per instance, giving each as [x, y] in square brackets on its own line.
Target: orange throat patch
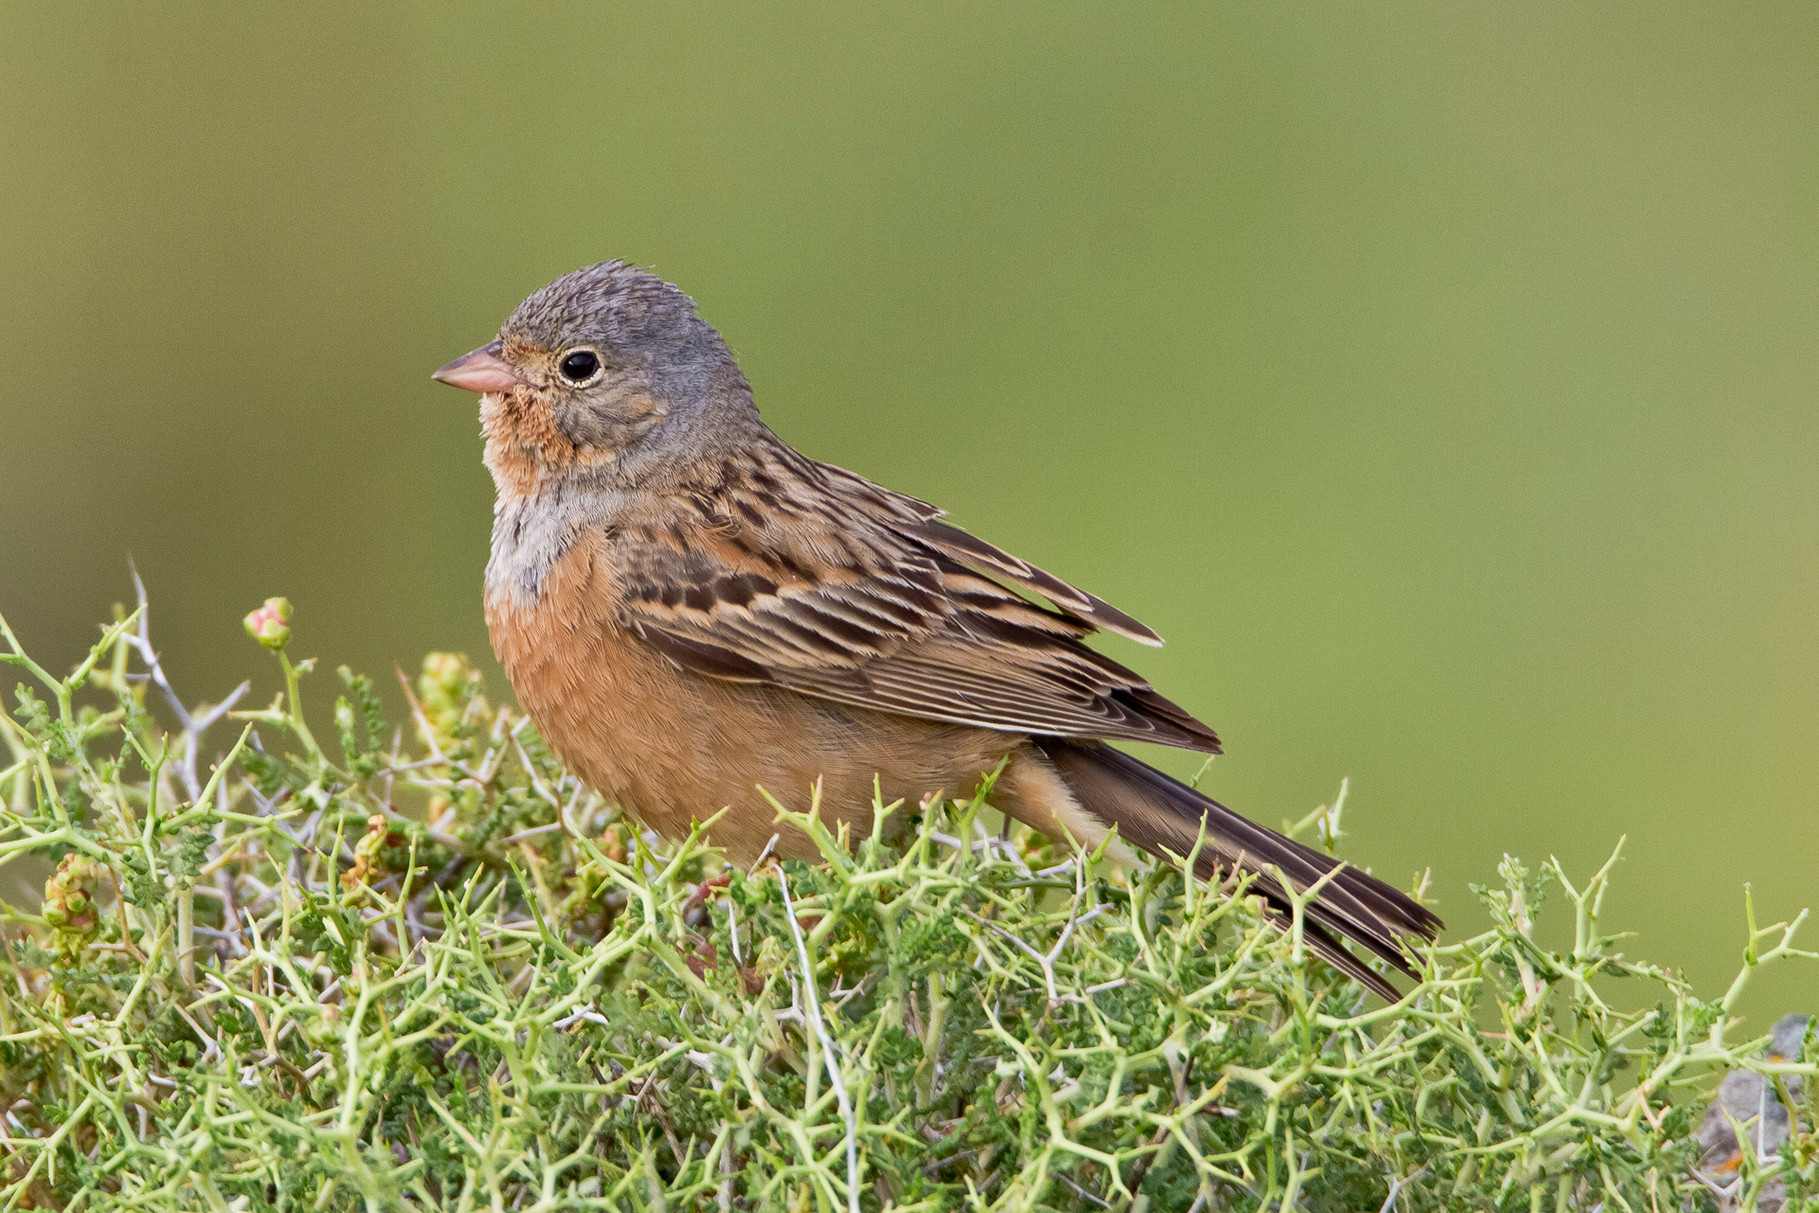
[523, 442]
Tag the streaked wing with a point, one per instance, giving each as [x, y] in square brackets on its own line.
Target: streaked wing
[834, 587]
[921, 520]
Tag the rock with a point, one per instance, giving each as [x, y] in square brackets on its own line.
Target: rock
[1747, 1099]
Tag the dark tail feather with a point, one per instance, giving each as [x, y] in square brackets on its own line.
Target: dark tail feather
[1158, 814]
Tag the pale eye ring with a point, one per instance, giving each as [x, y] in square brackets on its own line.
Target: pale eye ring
[579, 366]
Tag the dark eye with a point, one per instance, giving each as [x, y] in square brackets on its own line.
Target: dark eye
[578, 366]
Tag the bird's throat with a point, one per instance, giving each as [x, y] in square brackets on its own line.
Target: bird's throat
[524, 447]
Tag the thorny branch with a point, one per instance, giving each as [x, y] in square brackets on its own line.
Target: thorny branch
[435, 972]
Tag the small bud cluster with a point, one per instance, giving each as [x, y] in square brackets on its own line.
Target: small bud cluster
[446, 687]
[69, 899]
[270, 625]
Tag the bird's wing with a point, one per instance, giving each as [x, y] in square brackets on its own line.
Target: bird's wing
[834, 587]
[920, 521]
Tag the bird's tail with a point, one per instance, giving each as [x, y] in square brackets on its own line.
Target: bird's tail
[1158, 814]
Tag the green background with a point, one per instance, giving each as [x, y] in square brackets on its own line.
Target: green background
[1439, 379]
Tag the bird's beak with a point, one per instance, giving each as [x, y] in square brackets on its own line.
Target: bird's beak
[481, 371]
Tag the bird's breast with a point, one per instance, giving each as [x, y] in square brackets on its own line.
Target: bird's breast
[607, 705]
[533, 533]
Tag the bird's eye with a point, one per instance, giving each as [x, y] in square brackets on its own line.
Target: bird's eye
[578, 366]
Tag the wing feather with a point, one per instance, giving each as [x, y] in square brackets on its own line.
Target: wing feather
[834, 587]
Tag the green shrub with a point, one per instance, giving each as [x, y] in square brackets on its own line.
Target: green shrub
[437, 973]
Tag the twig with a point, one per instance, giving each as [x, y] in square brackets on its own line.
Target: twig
[829, 1056]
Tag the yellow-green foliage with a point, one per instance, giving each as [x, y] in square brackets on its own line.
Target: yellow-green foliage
[427, 969]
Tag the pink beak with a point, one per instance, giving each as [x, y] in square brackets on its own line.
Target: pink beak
[481, 371]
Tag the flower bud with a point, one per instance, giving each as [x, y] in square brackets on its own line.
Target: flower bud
[270, 625]
[448, 685]
[69, 896]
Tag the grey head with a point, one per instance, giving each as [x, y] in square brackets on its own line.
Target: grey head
[607, 374]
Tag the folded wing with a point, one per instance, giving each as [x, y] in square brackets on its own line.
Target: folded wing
[877, 604]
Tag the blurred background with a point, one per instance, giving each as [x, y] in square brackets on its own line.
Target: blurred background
[1439, 380]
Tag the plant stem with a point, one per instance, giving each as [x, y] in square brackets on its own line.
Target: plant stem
[296, 704]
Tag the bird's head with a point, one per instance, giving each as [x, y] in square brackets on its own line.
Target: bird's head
[607, 374]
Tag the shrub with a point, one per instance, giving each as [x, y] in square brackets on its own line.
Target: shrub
[425, 968]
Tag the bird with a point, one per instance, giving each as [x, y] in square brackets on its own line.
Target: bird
[697, 617]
